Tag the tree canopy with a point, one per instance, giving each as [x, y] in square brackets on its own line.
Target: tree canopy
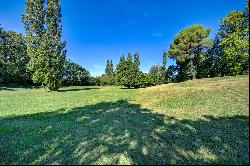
[188, 49]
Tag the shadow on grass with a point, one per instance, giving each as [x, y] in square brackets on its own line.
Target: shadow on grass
[8, 87]
[5, 88]
[128, 88]
[120, 132]
[77, 89]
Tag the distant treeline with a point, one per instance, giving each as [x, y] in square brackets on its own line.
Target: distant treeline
[39, 57]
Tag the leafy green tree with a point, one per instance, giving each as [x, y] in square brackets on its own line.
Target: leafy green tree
[188, 49]
[75, 74]
[128, 73]
[234, 43]
[95, 81]
[157, 71]
[144, 80]
[109, 70]
[45, 48]
[14, 58]
[107, 80]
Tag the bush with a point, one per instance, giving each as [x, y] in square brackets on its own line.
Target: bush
[107, 80]
[144, 80]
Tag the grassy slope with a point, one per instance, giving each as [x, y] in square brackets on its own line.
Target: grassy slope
[199, 122]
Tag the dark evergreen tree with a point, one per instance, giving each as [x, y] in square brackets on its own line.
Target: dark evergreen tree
[109, 70]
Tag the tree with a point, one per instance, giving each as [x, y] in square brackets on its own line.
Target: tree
[43, 30]
[119, 71]
[156, 71]
[109, 71]
[137, 61]
[234, 43]
[164, 67]
[75, 74]
[14, 58]
[128, 73]
[188, 50]
[144, 80]
[164, 60]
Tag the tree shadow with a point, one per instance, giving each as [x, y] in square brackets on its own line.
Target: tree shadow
[129, 88]
[122, 133]
[77, 89]
[9, 87]
[5, 88]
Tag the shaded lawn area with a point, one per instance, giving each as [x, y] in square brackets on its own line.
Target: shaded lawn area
[122, 133]
[204, 121]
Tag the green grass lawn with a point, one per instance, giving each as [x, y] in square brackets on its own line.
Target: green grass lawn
[195, 122]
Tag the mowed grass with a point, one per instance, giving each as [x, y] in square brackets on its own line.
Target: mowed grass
[195, 122]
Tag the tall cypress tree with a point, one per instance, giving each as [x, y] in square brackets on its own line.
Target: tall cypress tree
[43, 30]
[164, 60]
[137, 61]
[119, 71]
[109, 70]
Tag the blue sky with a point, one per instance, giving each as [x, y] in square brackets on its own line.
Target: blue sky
[97, 30]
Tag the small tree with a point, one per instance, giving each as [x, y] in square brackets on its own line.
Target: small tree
[75, 74]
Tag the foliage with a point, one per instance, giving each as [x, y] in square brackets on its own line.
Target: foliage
[95, 81]
[234, 43]
[188, 49]
[172, 73]
[75, 74]
[128, 73]
[157, 71]
[160, 72]
[109, 70]
[145, 80]
[107, 80]
[43, 30]
[119, 71]
[14, 58]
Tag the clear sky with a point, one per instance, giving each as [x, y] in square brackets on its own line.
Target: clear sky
[97, 30]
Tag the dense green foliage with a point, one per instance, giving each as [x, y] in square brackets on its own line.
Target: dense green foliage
[109, 70]
[75, 74]
[230, 52]
[14, 58]
[157, 72]
[43, 30]
[188, 49]
[234, 44]
[128, 73]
